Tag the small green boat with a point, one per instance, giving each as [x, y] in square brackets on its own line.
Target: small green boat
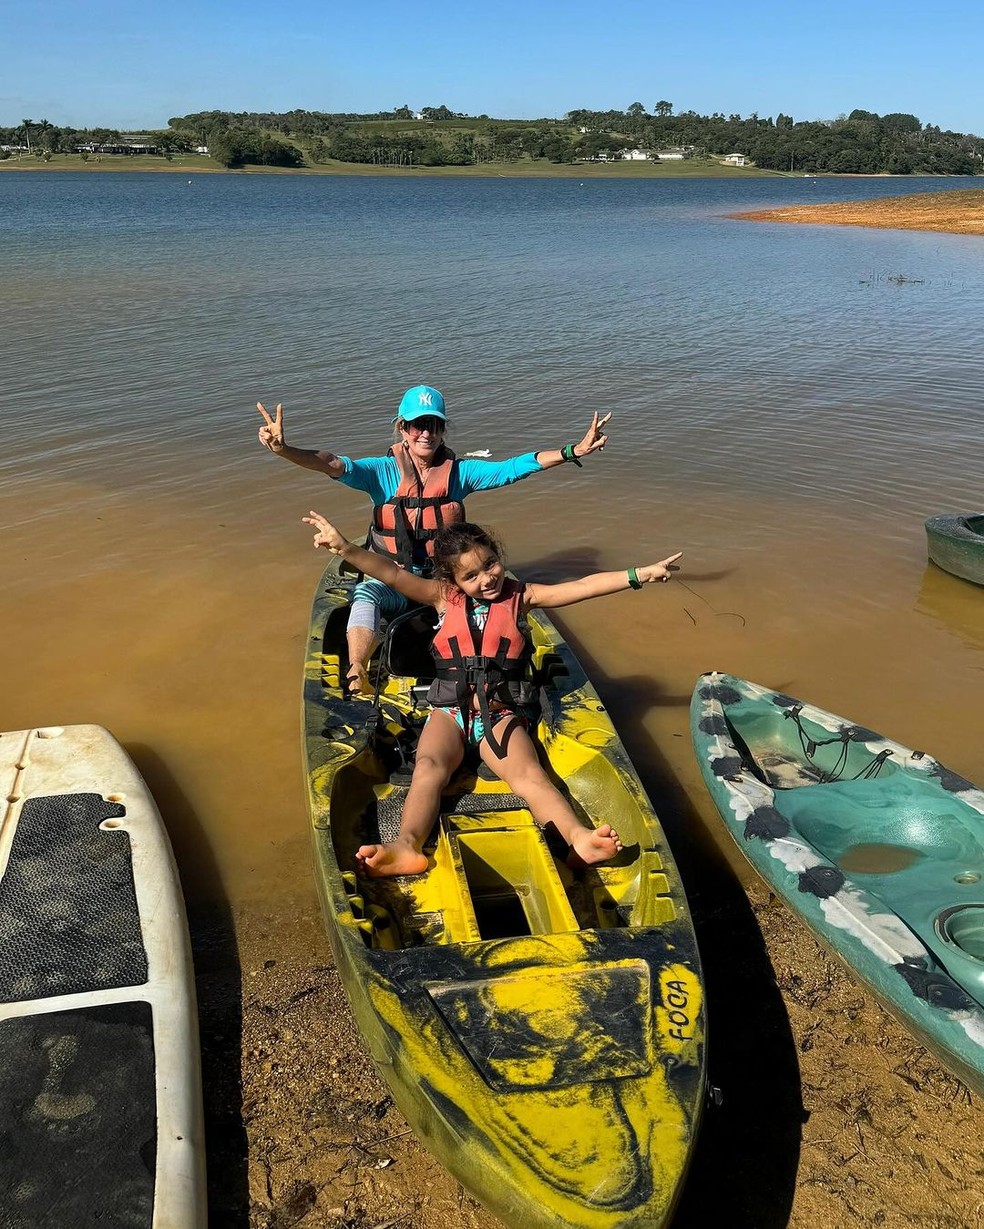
[541, 1029]
[878, 848]
[956, 544]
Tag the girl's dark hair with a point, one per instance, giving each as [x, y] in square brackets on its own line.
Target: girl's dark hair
[452, 542]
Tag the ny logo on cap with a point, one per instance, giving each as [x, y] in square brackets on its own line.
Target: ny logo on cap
[423, 398]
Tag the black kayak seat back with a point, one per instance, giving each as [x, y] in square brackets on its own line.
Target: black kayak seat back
[408, 645]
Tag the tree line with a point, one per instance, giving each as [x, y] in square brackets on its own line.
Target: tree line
[230, 144]
[43, 139]
[861, 142]
[486, 144]
[439, 137]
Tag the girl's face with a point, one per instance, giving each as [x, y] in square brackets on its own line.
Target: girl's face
[479, 573]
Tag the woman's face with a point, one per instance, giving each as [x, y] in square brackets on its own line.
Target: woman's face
[423, 437]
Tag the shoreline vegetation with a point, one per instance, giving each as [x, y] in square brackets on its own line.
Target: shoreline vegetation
[959, 212]
[630, 142]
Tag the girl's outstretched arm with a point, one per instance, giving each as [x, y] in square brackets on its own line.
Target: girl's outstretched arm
[551, 597]
[427, 592]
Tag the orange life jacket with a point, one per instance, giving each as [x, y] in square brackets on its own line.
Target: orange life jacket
[405, 526]
[490, 665]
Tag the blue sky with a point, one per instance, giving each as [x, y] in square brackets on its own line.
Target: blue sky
[116, 63]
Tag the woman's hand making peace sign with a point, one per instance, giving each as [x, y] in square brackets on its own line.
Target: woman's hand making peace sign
[272, 432]
[594, 438]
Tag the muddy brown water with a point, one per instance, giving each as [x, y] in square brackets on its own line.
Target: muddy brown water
[182, 628]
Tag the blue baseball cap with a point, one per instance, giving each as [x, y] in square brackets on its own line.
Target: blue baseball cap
[421, 401]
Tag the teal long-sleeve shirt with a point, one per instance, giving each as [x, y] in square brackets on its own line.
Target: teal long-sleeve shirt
[379, 477]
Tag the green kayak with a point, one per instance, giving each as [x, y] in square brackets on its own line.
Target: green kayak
[878, 848]
[956, 544]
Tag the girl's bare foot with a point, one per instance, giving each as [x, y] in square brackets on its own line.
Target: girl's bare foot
[376, 861]
[592, 845]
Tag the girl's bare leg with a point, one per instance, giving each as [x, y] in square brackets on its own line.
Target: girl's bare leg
[440, 750]
[523, 773]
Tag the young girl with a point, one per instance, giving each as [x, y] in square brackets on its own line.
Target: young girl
[479, 694]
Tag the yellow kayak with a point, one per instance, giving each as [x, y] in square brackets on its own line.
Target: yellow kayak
[541, 1029]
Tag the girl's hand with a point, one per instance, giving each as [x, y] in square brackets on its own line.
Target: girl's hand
[595, 438]
[327, 535]
[272, 433]
[663, 570]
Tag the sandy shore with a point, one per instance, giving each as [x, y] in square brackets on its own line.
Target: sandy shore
[831, 1114]
[958, 213]
[526, 168]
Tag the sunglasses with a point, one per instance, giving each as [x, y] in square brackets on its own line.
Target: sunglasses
[419, 425]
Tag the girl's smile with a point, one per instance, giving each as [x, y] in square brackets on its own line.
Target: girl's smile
[479, 573]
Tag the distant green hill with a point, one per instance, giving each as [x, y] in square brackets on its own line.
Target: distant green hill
[859, 143]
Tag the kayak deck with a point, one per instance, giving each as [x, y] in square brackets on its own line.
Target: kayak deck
[492, 872]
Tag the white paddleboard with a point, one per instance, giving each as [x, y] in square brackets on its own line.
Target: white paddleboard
[100, 1082]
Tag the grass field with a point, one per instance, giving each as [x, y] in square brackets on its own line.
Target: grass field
[110, 162]
[525, 168]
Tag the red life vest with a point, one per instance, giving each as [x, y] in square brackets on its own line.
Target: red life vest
[405, 526]
[490, 665]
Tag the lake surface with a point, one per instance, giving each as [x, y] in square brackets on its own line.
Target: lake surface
[790, 403]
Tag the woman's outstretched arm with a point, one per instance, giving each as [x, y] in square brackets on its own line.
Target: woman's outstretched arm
[427, 592]
[272, 437]
[594, 440]
[599, 584]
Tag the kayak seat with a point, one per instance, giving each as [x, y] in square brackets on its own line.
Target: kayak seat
[408, 650]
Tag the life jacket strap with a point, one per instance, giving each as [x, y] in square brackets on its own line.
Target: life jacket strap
[483, 677]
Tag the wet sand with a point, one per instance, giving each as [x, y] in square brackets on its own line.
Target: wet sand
[831, 1114]
[957, 213]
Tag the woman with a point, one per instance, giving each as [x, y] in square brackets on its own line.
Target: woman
[417, 489]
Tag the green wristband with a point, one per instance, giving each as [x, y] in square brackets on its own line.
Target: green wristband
[634, 581]
[568, 453]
